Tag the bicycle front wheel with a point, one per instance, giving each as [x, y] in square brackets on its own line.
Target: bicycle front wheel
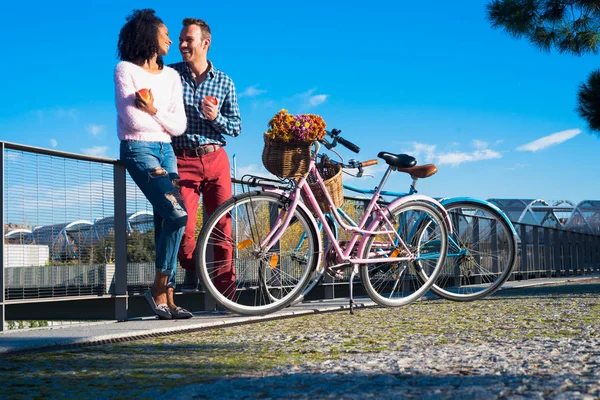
[234, 264]
[424, 237]
[481, 252]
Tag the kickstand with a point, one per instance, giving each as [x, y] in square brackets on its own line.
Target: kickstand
[351, 291]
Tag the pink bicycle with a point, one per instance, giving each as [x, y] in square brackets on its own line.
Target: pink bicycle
[265, 227]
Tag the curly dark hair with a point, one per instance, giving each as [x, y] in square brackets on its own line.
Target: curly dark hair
[138, 39]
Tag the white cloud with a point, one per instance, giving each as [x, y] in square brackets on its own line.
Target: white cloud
[517, 166]
[94, 129]
[422, 150]
[97, 151]
[310, 99]
[429, 153]
[252, 91]
[317, 99]
[53, 143]
[550, 140]
[56, 113]
[457, 158]
[479, 144]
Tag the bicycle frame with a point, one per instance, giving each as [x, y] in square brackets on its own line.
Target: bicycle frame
[359, 231]
[452, 243]
[443, 202]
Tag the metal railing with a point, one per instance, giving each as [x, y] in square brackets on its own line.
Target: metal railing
[551, 252]
[79, 243]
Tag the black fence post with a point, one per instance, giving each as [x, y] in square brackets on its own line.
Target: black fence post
[585, 249]
[120, 204]
[523, 264]
[567, 253]
[548, 264]
[596, 254]
[536, 252]
[557, 253]
[579, 246]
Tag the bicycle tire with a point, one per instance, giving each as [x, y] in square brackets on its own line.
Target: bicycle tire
[475, 275]
[260, 286]
[376, 276]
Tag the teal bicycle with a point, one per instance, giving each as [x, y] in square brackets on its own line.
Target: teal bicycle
[482, 242]
[482, 247]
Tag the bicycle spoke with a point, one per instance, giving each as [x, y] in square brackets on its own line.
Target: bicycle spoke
[265, 279]
[485, 256]
[421, 235]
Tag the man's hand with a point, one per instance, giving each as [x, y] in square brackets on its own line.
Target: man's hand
[146, 105]
[210, 109]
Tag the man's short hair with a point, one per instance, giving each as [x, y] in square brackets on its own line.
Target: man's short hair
[202, 24]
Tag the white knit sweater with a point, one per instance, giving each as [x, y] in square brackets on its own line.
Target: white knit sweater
[135, 124]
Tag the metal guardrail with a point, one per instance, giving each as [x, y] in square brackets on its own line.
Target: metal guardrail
[52, 196]
[73, 197]
[545, 252]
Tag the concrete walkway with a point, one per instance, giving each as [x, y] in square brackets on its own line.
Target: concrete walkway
[50, 338]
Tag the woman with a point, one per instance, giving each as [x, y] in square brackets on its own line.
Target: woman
[149, 100]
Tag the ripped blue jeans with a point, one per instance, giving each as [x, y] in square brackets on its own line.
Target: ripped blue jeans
[153, 167]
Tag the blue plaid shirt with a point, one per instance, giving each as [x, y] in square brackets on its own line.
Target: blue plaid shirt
[201, 131]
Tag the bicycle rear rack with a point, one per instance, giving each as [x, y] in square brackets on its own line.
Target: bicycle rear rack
[253, 181]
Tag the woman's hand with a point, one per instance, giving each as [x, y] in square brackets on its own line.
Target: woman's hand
[145, 104]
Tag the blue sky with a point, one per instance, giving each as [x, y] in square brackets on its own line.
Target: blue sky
[433, 80]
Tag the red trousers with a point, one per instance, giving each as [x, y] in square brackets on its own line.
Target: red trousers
[207, 175]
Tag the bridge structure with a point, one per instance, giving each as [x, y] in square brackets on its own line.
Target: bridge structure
[582, 217]
[78, 239]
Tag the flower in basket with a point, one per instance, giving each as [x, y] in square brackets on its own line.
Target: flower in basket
[300, 127]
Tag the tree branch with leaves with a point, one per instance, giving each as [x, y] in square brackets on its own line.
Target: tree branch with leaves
[567, 26]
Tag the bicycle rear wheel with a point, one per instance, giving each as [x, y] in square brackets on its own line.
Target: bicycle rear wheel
[481, 252]
[394, 284]
[264, 280]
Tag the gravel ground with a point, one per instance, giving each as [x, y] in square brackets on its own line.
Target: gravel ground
[518, 344]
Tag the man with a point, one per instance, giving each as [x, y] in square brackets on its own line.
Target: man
[202, 162]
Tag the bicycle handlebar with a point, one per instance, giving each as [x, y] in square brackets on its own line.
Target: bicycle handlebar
[354, 164]
[368, 163]
[335, 135]
[349, 145]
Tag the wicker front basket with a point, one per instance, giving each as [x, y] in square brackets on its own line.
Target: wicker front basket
[286, 159]
[332, 178]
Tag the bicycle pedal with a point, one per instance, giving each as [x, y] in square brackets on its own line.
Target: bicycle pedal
[335, 274]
